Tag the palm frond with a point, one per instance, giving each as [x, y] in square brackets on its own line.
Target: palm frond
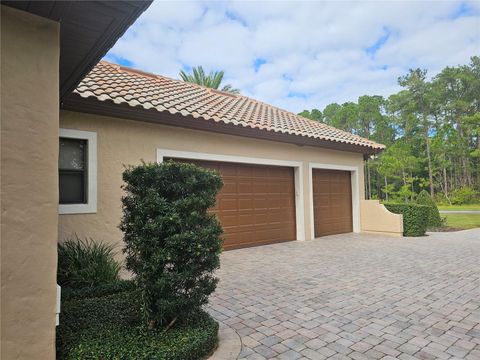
[213, 80]
[230, 89]
[216, 79]
[186, 77]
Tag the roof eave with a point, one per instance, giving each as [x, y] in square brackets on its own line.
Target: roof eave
[88, 30]
[75, 102]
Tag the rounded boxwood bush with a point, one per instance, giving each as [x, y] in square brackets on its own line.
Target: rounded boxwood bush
[434, 219]
[415, 217]
[172, 242]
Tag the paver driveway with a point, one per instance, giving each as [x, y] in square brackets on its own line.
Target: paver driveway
[355, 297]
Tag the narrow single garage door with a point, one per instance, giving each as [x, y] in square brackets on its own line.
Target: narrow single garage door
[256, 205]
[332, 202]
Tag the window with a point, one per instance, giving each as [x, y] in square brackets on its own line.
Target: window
[77, 172]
[72, 172]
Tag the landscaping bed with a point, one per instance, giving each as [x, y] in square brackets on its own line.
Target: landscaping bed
[172, 248]
[107, 325]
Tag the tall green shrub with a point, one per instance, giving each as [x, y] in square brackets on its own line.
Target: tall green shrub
[415, 217]
[172, 243]
[434, 219]
[86, 263]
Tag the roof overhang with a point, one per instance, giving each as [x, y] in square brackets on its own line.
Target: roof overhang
[88, 30]
[75, 102]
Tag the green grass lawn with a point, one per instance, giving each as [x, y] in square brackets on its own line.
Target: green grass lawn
[462, 221]
[459, 207]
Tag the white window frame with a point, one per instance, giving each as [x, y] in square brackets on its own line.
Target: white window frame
[91, 205]
[296, 165]
[355, 193]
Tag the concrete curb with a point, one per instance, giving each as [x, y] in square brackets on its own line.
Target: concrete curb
[229, 344]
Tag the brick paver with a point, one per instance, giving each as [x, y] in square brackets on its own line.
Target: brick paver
[355, 296]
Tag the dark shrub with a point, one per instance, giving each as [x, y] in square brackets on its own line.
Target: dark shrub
[84, 318]
[415, 217]
[434, 219]
[86, 263]
[172, 243]
[110, 327]
[98, 291]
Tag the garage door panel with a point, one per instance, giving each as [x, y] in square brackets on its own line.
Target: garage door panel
[245, 203]
[339, 200]
[245, 188]
[246, 219]
[229, 220]
[256, 205]
[229, 186]
[260, 172]
[241, 171]
[260, 187]
[227, 171]
[227, 204]
[260, 208]
[332, 201]
[323, 188]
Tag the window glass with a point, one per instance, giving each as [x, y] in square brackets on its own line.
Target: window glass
[72, 171]
[72, 154]
[72, 188]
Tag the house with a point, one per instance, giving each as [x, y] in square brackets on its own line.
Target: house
[286, 177]
[46, 49]
[66, 136]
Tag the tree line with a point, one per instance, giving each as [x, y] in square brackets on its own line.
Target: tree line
[431, 129]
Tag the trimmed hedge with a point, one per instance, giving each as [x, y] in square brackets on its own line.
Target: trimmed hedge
[98, 291]
[434, 219]
[415, 217]
[188, 341]
[84, 318]
[110, 327]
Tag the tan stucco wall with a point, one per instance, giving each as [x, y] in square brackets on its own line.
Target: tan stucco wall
[127, 142]
[377, 219]
[29, 185]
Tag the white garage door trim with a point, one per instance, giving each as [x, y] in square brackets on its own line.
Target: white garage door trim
[355, 192]
[296, 165]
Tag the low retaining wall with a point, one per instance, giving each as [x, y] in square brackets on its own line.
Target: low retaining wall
[374, 217]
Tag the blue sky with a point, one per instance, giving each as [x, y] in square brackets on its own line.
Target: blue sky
[302, 55]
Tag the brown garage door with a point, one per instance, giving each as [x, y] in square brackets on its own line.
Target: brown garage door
[256, 205]
[332, 201]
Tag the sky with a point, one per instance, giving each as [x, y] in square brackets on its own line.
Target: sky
[303, 54]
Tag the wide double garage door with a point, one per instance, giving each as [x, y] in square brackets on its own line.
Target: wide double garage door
[256, 205]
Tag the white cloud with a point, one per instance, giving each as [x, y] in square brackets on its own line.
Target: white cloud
[208, 46]
[312, 53]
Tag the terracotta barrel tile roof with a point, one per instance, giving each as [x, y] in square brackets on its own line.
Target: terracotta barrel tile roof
[111, 82]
